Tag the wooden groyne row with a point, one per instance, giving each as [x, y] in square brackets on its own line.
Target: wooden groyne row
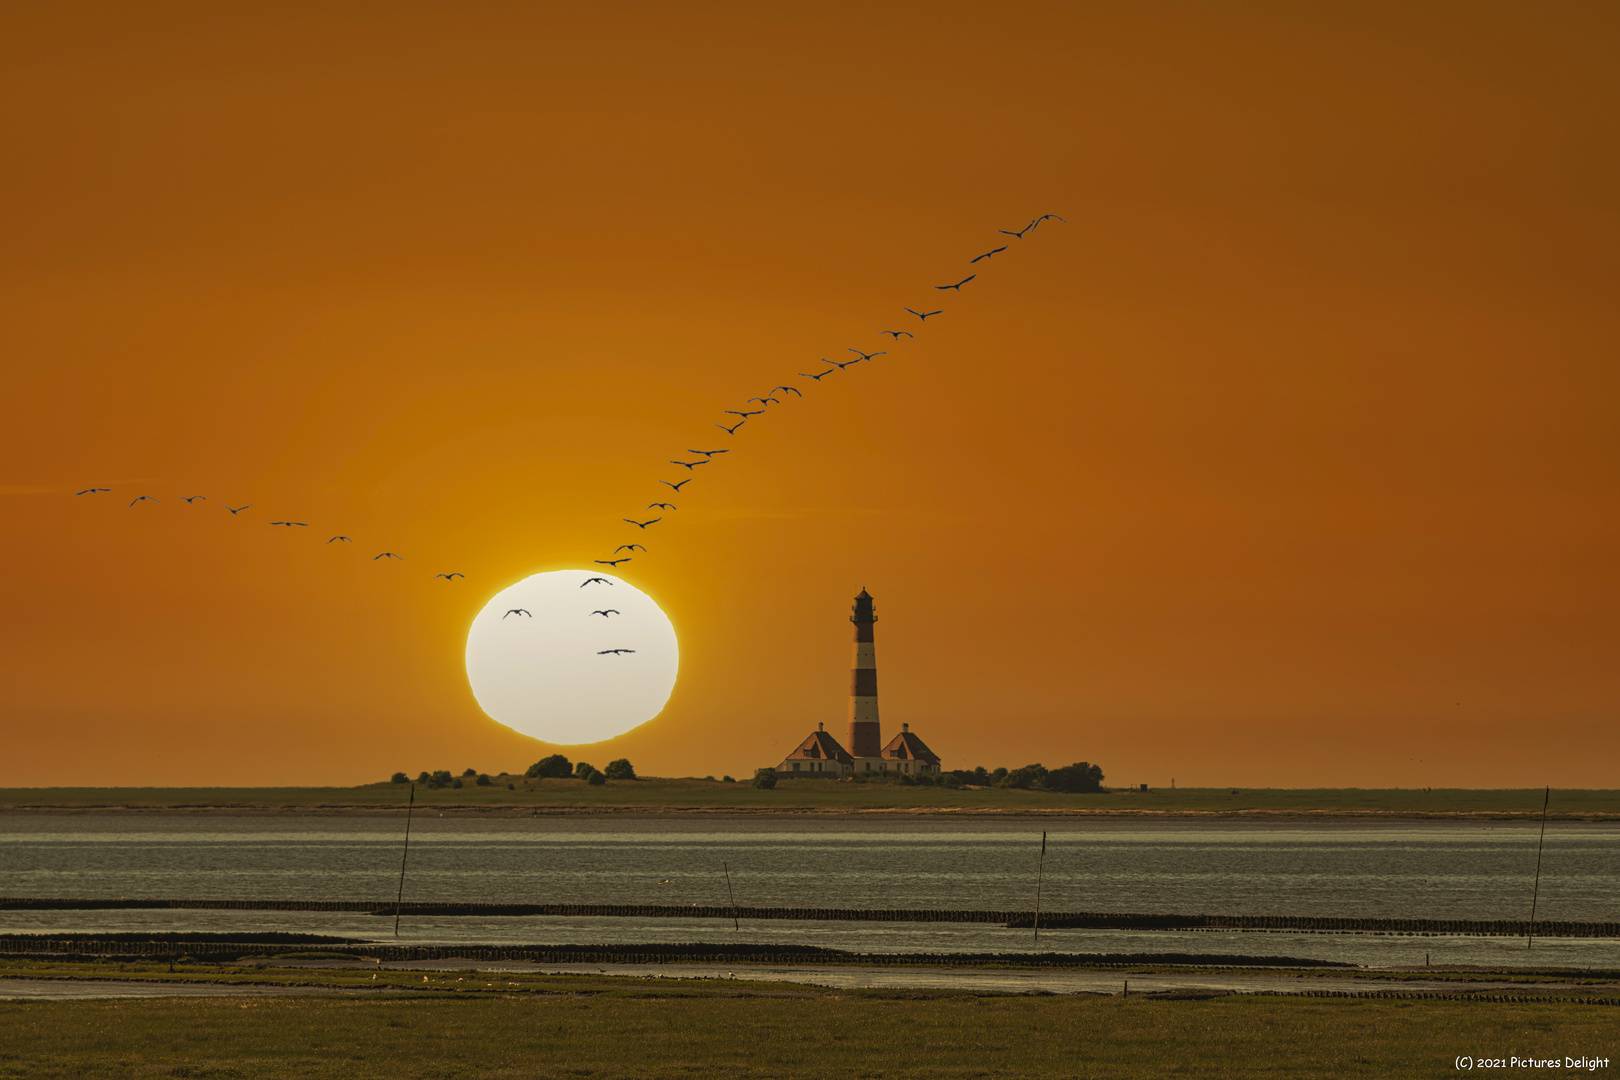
[22, 945]
[1013, 919]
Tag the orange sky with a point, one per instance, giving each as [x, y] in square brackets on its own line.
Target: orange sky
[1290, 460]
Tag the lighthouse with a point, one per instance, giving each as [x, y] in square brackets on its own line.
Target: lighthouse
[820, 756]
[865, 733]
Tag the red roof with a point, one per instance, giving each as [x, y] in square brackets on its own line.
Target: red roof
[820, 746]
[906, 746]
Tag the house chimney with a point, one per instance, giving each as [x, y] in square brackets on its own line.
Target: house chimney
[904, 728]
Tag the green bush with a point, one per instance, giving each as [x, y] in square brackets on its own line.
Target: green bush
[727, 780]
[595, 779]
[456, 783]
[483, 779]
[583, 770]
[765, 779]
[424, 777]
[470, 772]
[555, 767]
[621, 769]
[399, 778]
[1081, 776]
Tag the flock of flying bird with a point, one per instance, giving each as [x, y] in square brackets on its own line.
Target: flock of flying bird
[705, 457]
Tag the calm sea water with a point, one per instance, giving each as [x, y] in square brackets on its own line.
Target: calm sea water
[1414, 870]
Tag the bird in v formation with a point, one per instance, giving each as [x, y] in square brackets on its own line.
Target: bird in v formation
[517, 611]
[708, 455]
[614, 652]
[606, 612]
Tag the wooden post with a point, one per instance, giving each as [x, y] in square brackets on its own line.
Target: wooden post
[727, 870]
[1039, 868]
[1535, 893]
[399, 899]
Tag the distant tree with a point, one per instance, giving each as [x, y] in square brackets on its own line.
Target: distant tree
[424, 777]
[399, 778]
[1027, 777]
[555, 767]
[595, 778]
[622, 770]
[998, 776]
[727, 780]
[456, 783]
[483, 779]
[765, 778]
[440, 778]
[470, 772]
[1081, 776]
[583, 770]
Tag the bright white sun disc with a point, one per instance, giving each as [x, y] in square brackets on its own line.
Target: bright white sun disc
[538, 660]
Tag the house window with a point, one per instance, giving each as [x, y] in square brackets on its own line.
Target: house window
[795, 766]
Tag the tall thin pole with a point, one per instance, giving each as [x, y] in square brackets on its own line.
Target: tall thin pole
[409, 807]
[727, 870]
[1535, 893]
[1040, 867]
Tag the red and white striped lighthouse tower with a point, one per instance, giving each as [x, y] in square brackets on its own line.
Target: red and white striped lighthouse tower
[865, 733]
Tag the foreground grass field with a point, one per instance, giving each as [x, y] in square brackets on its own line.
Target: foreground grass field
[822, 796]
[786, 1033]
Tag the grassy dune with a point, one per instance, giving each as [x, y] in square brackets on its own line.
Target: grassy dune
[810, 796]
[785, 1032]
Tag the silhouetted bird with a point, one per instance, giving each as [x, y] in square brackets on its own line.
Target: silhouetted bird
[678, 486]
[987, 254]
[612, 562]
[744, 415]
[789, 389]
[732, 430]
[959, 284]
[823, 375]
[614, 652]
[447, 577]
[660, 506]
[628, 547]
[194, 498]
[386, 555]
[517, 611]
[1020, 233]
[238, 509]
[897, 334]
[345, 539]
[765, 401]
[605, 613]
[708, 453]
[924, 317]
[595, 581]
[91, 491]
[290, 524]
[689, 465]
[144, 498]
[867, 355]
[1043, 217]
[644, 524]
[841, 364]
